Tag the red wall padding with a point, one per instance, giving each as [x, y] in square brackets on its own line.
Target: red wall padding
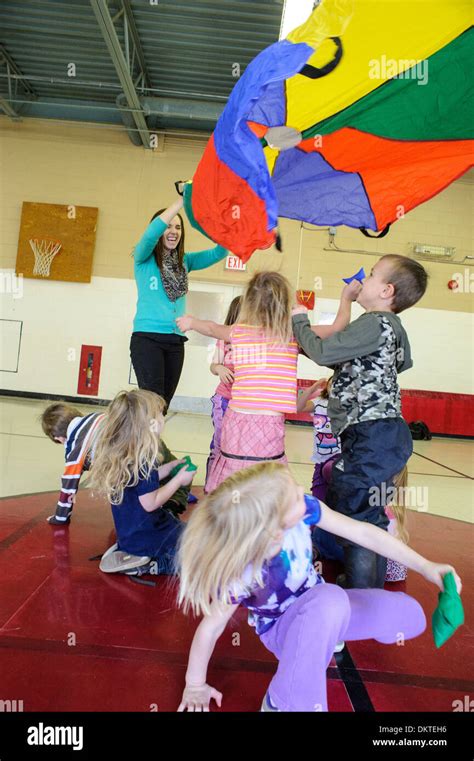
[442, 412]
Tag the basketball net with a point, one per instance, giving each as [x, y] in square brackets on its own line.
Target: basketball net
[44, 251]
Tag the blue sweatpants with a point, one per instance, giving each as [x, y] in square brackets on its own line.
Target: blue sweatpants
[373, 452]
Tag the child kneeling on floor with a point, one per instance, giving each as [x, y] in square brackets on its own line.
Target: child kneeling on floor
[64, 424]
[249, 543]
[128, 471]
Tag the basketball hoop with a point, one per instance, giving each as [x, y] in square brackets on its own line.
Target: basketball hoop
[44, 250]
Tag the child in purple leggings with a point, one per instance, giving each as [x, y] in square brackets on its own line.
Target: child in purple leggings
[249, 543]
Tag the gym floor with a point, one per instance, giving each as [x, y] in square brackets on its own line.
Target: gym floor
[74, 639]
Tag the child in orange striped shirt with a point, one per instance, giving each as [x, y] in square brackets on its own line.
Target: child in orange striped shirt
[265, 357]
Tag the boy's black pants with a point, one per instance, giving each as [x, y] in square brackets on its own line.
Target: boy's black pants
[373, 452]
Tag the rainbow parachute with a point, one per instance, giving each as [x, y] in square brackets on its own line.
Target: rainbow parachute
[362, 114]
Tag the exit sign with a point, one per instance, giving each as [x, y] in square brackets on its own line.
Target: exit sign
[234, 263]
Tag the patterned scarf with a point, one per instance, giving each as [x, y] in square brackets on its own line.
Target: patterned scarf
[174, 277]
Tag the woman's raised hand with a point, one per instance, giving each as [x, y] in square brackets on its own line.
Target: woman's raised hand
[198, 698]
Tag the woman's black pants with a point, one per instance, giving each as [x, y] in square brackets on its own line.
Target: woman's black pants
[157, 359]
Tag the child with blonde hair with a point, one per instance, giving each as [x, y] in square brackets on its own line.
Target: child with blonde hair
[64, 424]
[249, 543]
[265, 357]
[128, 470]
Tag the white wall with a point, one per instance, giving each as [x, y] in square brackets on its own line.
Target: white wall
[441, 344]
[59, 317]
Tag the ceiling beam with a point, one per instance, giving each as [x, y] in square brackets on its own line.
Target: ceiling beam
[8, 109]
[133, 32]
[122, 67]
[14, 78]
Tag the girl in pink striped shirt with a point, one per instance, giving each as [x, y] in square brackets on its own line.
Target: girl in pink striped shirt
[265, 358]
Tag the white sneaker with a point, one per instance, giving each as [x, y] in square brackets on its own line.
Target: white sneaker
[267, 705]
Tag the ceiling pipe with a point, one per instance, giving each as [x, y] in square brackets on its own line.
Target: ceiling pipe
[155, 108]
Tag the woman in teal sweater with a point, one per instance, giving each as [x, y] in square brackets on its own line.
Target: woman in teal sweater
[161, 272]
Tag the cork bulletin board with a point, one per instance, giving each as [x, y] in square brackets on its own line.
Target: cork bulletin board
[74, 227]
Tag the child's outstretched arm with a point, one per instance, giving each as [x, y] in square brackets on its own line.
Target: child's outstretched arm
[360, 338]
[155, 499]
[343, 317]
[205, 327]
[381, 542]
[197, 693]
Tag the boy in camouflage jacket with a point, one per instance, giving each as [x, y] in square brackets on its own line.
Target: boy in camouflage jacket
[364, 402]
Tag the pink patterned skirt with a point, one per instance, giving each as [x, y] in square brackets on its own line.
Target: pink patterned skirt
[246, 440]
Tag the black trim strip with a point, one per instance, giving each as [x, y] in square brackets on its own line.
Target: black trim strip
[252, 459]
[8, 642]
[313, 72]
[353, 683]
[26, 527]
[380, 234]
[91, 400]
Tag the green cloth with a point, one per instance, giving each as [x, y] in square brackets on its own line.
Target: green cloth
[403, 109]
[186, 464]
[449, 614]
[188, 207]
